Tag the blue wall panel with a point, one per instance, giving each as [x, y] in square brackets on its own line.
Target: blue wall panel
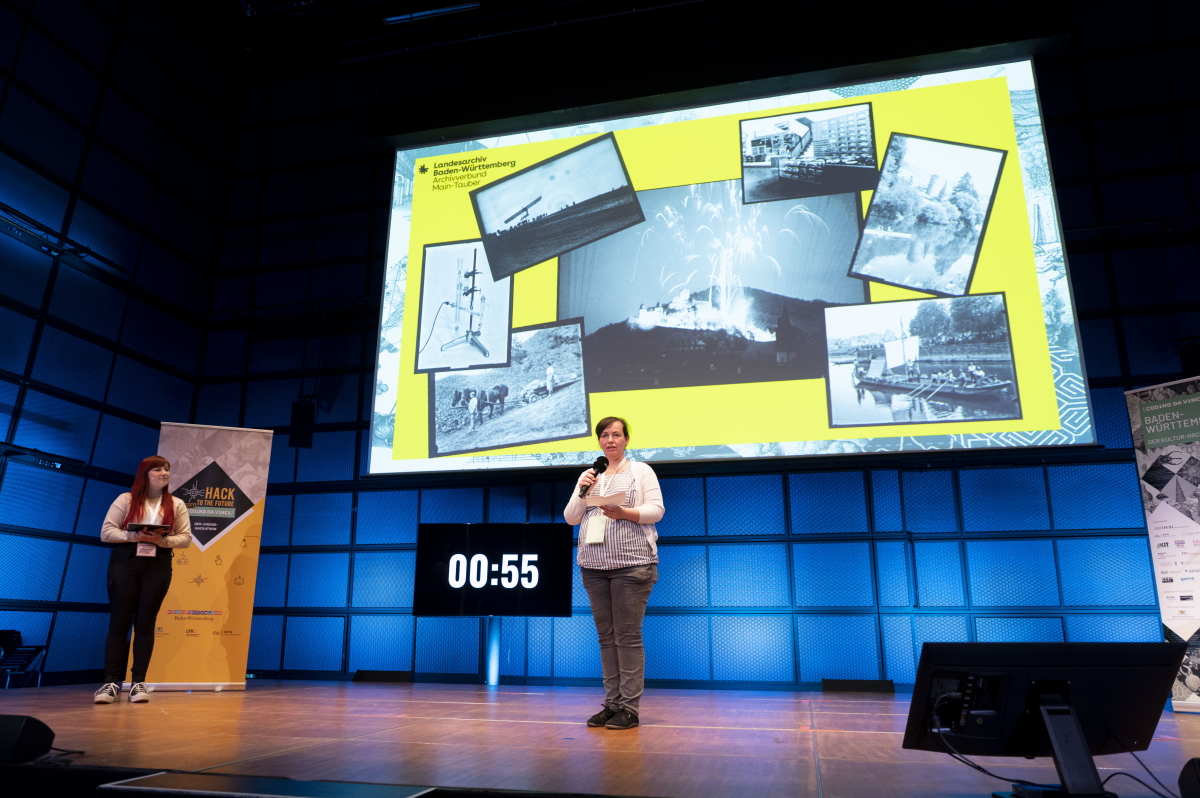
[579, 596]
[748, 575]
[88, 303]
[23, 271]
[837, 647]
[314, 644]
[266, 643]
[507, 505]
[149, 391]
[1106, 571]
[77, 642]
[677, 647]
[542, 508]
[41, 570]
[381, 642]
[447, 645]
[56, 426]
[270, 588]
[318, 580]
[385, 517]
[97, 498]
[898, 654]
[87, 574]
[40, 498]
[283, 460]
[768, 636]
[17, 333]
[538, 647]
[576, 648]
[269, 402]
[684, 500]
[833, 574]
[682, 577]
[321, 519]
[828, 502]
[452, 506]
[72, 364]
[1114, 629]
[8, 403]
[745, 505]
[1019, 630]
[1004, 499]
[1111, 417]
[122, 445]
[220, 404]
[384, 578]
[939, 629]
[939, 574]
[1103, 496]
[512, 647]
[1012, 573]
[33, 626]
[277, 521]
[929, 501]
[891, 564]
[331, 457]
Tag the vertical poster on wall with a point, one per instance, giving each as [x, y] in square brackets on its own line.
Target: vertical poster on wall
[1166, 437]
[202, 637]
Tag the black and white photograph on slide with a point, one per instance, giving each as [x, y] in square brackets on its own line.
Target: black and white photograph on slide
[464, 316]
[927, 218]
[921, 360]
[554, 206]
[539, 397]
[710, 291]
[808, 154]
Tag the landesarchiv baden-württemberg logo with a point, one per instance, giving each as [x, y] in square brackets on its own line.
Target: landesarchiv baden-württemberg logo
[214, 502]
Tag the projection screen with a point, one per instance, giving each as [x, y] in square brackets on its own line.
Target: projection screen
[875, 267]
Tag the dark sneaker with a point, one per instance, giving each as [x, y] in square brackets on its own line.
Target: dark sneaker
[623, 719]
[107, 694]
[139, 693]
[603, 716]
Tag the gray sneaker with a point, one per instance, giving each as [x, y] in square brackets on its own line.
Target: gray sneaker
[107, 694]
[139, 693]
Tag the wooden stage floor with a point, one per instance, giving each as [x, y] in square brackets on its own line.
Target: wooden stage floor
[692, 743]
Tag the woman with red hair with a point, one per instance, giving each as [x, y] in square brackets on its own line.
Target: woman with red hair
[139, 572]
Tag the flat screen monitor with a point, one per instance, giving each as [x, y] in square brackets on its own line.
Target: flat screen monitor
[985, 696]
[852, 268]
[493, 569]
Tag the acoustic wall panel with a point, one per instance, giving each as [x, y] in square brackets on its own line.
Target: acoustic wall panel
[23, 271]
[1012, 573]
[87, 574]
[8, 403]
[748, 575]
[892, 573]
[1101, 496]
[837, 647]
[41, 573]
[834, 501]
[542, 507]
[220, 404]
[381, 642]
[33, 626]
[452, 506]
[833, 574]
[277, 521]
[576, 650]
[506, 505]
[266, 642]
[16, 331]
[939, 629]
[900, 663]
[122, 445]
[929, 501]
[386, 517]
[88, 303]
[97, 498]
[72, 364]
[270, 588]
[768, 636]
[1111, 418]
[447, 645]
[1004, 499]
[384, 578]
[148, 391]
[56, 426]
[1114, 628]
[40, 498]
[318, 580]
[512, 647]
[269, 402]
[750, 505]
[1106, 571]
[1019, 630]
[321, 519]
[539, 646]
[684, 500]
[579, 596]
[313, 644]
[283, 460]
[330, 458]
[939, 574]
[77, 642]
[682, 577]
[677, 647]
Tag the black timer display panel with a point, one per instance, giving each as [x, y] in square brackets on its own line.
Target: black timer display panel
[493, 569]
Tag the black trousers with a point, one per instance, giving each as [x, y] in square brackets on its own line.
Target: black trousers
[136, 589]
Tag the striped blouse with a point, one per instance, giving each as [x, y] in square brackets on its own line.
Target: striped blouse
[625, 542]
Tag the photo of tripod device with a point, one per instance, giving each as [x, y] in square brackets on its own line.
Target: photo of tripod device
[465, 315]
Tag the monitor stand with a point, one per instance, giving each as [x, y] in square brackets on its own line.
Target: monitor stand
[1077, 773]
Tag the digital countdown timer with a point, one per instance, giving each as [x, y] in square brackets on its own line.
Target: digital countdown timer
[493, 569]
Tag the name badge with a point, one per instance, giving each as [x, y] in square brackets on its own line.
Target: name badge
[147, 550]
[593, 530]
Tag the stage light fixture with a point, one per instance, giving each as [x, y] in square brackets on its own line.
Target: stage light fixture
[434, 12]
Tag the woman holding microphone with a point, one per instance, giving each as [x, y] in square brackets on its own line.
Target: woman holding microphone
[139, 572]
[618, 558]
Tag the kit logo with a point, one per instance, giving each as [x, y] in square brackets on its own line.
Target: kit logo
[1163, 545]
[1166, 579]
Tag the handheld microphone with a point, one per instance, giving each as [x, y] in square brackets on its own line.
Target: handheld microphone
[598, 467]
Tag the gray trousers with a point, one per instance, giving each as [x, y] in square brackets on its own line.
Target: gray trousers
[618, 600]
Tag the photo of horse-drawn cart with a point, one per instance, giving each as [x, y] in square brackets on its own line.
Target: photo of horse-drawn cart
[540, 397]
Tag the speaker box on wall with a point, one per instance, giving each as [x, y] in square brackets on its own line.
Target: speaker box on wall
[23, 738]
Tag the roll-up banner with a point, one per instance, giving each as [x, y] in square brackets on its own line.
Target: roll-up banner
[202, 637]
[1166, 437]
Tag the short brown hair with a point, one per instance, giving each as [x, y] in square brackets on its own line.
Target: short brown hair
[607, 421]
